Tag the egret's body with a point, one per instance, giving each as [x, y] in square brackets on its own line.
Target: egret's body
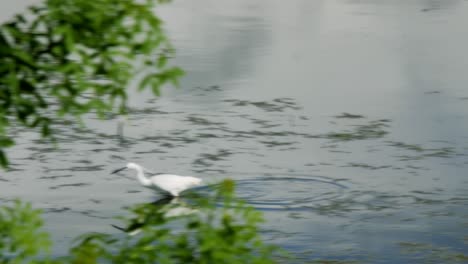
[168, 183]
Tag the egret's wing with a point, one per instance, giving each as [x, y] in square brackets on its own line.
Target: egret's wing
[174, 183]
[167, 182]
[150, 172]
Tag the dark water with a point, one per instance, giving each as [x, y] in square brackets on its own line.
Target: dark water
[344, 121]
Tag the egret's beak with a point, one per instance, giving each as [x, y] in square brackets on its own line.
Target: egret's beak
[117, 170]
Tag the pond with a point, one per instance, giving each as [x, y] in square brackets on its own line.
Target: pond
[344, 121]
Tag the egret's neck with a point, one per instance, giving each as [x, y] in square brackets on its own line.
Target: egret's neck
[142, 178]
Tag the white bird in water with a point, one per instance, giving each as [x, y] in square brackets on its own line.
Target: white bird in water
[168, 183]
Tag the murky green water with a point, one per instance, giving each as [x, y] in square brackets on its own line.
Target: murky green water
[344, 121]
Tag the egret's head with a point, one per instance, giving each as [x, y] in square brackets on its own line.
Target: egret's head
[132, 165]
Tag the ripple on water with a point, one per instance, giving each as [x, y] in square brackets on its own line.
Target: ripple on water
[79, 184]
[301, 192]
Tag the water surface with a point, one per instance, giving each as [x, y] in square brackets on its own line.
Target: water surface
[343, 121]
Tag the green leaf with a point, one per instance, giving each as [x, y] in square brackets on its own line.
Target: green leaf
[6, 142]
[146, 81]
[162, 61]
[3, 159]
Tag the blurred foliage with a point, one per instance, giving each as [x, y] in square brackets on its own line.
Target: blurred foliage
[65, 58]
[20, 234]
[217, 229]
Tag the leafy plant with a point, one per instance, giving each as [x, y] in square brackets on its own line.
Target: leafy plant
[20, 234]
[214, 229]
[210, 234]
[71, 57]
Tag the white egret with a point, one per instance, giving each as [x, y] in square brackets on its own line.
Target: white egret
[168, 183]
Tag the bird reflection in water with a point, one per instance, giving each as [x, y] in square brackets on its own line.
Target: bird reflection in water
[157, 212]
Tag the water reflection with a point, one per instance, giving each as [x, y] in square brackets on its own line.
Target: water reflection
[166, 207]
[433, 5]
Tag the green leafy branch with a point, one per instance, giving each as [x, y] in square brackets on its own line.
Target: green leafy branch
[20, 234]
[71, 57]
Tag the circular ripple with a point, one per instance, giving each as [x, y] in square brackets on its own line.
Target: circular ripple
[271, 193]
